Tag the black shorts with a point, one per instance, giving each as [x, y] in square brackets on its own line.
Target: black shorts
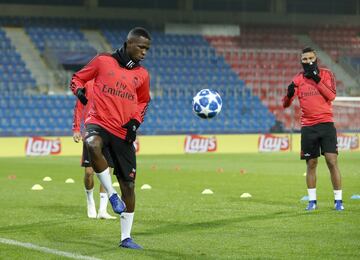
[122, 152]
[316, 139]
[85, 159]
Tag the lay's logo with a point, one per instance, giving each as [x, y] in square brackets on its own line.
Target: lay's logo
[200, 144]
[348, 142]
[36, 146]
[273, 143]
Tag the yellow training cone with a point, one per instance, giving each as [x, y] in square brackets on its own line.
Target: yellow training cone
[69, 181]
[207, 191]
[146, 187]
[37, 187]
[245, 195]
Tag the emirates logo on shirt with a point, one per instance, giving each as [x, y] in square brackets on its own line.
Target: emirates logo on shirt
[308, 92]
[121, 85]
[120, 92]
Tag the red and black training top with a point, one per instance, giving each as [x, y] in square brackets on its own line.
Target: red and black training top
[315, 99]
[119, 94]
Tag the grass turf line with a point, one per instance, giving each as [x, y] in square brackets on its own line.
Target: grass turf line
[174, 220]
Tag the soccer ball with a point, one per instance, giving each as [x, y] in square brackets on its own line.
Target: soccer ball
[207, 103]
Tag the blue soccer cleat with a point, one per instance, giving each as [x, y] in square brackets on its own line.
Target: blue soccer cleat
[311, 205]
[117, 204]
[129, 243]
[338, 205]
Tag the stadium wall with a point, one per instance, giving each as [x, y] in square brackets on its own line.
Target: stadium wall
[159, 17]
[178, 144]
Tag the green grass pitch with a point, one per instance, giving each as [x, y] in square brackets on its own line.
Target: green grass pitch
[174, 220]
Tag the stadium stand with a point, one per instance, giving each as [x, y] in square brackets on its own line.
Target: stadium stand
[250, 72]
[181, 65]
[342, 43]
[15, 78]
[338, 41]
[57, 37]
[36, 115]
[63, 44]
[267, 59]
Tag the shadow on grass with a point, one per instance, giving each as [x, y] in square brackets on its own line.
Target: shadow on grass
[165, 254]
[50, 218]
[214, 224]
[73, 210]
[33, 225]
[262, 202]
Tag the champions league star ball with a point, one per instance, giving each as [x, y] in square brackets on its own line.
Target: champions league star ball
[207, 103]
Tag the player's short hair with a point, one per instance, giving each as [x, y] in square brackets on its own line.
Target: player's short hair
[308, 49]
[138, 32]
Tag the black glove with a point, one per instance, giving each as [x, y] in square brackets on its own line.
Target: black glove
[291, 90]
[80, 93]
[131, 126]
[314, 75]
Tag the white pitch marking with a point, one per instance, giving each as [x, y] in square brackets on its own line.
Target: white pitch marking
[46, 249]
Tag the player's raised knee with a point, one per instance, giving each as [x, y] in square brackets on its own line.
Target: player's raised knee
[93, 144]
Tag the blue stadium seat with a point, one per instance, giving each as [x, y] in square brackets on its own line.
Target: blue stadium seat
[180, 66]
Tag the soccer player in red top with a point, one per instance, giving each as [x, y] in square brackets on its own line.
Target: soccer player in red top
[80, 113]
[120, 100]
[316, 89]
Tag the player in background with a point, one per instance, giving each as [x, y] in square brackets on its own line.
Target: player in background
[120, 100]
[316, 89]
[80, 112]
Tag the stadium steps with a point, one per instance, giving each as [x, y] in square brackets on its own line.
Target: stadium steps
[32, 58]
[97, 40]
[264, 62]
[325, 58]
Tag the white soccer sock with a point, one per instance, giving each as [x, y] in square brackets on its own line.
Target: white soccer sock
[105, 180]
[103, 202]
[126, 221]
[90, 196]
[312, 194]
[338, 194]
